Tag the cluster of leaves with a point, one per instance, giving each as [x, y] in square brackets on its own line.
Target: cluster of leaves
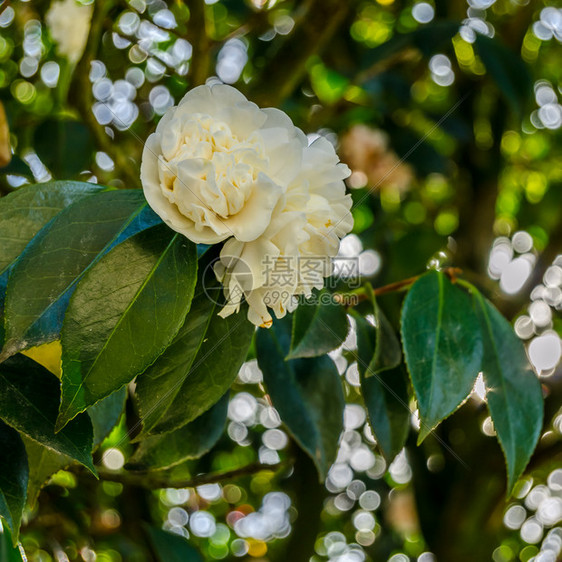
[96, 269]
[343, 63]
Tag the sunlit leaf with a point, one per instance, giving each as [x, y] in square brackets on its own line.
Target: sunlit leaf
[327, 84]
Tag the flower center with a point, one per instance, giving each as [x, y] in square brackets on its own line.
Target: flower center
[215, 165]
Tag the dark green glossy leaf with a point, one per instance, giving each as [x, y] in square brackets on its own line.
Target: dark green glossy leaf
[29, 399]
[387, 353]
[161, 383]
[197, 369]
[13, 477]
[319, 326]
[65, 147]
[514, 393]
[386, 399]
[44, 462]
[385, 393]
[123, 315]
[443, 347]
[24, 213]
[172, 548]
[306, 392]
[9, 552]
[188, 442]
[41, 283]
[507, 69]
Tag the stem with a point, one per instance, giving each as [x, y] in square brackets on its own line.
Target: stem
[153, 481]
[361, 295]
[408, 54]
[64, 83]
[257, 23]
[197, 33]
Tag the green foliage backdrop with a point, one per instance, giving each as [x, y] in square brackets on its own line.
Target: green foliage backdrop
[396, 415]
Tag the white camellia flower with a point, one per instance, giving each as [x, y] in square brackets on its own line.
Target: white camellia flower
[69, 24]
[219, 168]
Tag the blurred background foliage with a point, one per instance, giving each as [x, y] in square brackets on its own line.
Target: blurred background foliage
[449, 115]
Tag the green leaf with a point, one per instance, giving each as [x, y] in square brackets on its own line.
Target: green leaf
[172, 548]
[8, 551]
[162, 382]
[442, 345]
[306, 392]
[43, 463]
[29, 399]
[386, 399]
[123, 315]
[507, 69]
[514, 393]
[197, 369]
[13, 478]
[385, 392]
[65, 146]
[329, 85]
[318, 327]
[43, 279]
[24, 213]
[106, 413]
[387, 353]
[191, 441]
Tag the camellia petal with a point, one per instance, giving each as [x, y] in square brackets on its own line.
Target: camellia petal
[219, 168]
